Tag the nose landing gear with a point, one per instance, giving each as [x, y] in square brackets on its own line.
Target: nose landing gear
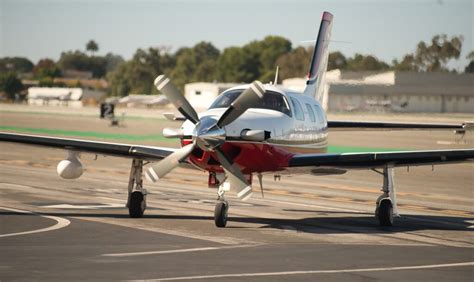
[222, 206]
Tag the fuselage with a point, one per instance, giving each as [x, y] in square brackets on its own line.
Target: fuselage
[296, 122]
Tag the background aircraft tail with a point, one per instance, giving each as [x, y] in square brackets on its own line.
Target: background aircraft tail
[315, 85]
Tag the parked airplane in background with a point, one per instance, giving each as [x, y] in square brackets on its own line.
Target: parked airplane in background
[254, 129]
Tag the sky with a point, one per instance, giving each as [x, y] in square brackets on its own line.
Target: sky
[387, 29]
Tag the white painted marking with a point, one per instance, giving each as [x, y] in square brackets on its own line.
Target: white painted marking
[338, 271]
[60, 223]
[256, 90]
[83, 207]
[163, 84]
[244, 192]
[445, 143]
[342, 210]
[175, 251]
[152, 175]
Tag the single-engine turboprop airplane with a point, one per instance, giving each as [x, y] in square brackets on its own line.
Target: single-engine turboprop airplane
[254, 129]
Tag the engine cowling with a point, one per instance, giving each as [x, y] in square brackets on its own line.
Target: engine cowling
[70, 168]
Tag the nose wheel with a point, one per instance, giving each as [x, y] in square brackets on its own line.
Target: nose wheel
[220, 213]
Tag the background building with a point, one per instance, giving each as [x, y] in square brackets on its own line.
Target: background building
[202, 94]
[435, 92]
[72, 97]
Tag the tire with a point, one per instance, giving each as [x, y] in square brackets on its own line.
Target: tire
[136, 206]
[385, 213]
[220, 213]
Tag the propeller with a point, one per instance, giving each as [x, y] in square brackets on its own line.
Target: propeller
[167, 164]
[250, 97]
[208, 134]
[164, 85]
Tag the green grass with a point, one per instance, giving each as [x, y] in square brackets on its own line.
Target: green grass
[350, 149]
[76, 133]
[158, 138]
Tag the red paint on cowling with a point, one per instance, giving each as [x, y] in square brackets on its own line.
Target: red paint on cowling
[253, 157]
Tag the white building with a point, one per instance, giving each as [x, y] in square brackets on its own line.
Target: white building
[72, 97]
[201, 94]
[137, 100]
[435, 92]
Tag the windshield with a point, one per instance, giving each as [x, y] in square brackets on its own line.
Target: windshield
[271, 101]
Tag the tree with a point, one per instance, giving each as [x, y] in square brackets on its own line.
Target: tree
[435, 56]
[46, 68]
[294, 63]
[137, 75]
[365, 63]
[97, 65]
[470, 67]
[119, 82]
[234, 65]
[112, 61]
[262, 55]
[337, 60]
[16, 64]
[407, 64]
[92, 47]
[432, 56]
[10, 84]
[195, 64]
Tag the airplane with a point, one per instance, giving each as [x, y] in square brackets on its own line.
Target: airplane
[254, 129]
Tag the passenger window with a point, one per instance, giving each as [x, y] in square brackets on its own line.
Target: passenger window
[299, 114]
[310, 112]
[320, 114]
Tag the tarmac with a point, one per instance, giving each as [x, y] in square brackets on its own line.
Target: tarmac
[302, 228]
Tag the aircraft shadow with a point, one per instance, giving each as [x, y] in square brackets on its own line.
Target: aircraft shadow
[362, 223]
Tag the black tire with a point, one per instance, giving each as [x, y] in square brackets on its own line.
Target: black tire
[385, 213]
[136, 207]
[220, 213]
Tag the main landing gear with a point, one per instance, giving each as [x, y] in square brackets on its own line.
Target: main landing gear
[386, 206]
[136, 193]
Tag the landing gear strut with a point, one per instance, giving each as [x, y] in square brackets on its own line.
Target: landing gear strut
[222, 207]
[136, 193]
[386, 205]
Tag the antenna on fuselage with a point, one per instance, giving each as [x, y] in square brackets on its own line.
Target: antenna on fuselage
[276, 77]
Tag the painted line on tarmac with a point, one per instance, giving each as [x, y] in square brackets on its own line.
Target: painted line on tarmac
[331, 271]
[60, 223]
[177, 251]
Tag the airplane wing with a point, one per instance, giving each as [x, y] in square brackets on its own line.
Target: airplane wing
[96, 147]
[358, 125]
[382, 159]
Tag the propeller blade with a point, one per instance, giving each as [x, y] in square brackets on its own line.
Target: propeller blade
[249, 98]
[164, 166]
[234, 175]
[173, 132]
[164, 85]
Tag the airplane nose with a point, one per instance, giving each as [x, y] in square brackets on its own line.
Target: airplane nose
[207, 134]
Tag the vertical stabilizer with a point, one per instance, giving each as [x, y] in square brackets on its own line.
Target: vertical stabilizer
[315, 85]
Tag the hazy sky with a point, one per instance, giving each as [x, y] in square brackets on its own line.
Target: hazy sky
[387, 29]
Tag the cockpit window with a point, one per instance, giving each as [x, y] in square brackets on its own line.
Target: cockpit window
[271, 101]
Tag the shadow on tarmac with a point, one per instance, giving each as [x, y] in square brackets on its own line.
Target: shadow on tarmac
[363, 223]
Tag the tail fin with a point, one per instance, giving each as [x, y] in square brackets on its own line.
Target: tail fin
[315, 84]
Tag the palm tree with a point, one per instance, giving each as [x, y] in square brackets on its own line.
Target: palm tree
[92, 47]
